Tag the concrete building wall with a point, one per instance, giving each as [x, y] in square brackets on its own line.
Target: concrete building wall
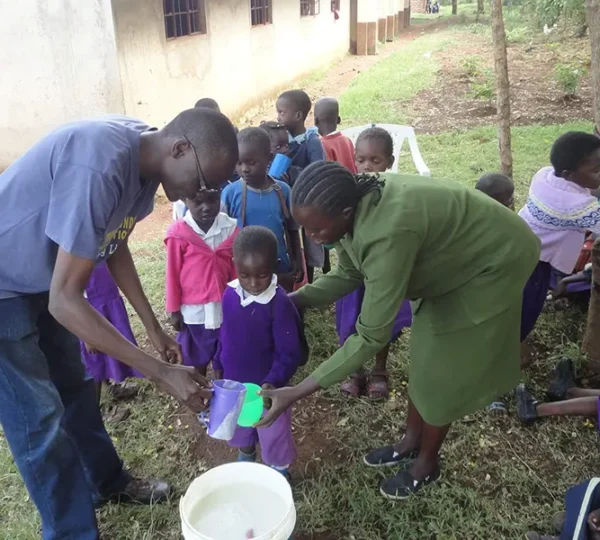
[59, 63]
[234, 63]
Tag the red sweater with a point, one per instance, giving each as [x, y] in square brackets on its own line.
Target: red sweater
[195, 273]
[339, 148]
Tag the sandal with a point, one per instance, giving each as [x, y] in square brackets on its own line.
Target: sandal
[354, 386]
[497, 408]
[378, 390]
[387, 457]
[403, 485]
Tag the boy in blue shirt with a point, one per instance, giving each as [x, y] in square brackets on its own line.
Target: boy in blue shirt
[305, 148]
[258, 199]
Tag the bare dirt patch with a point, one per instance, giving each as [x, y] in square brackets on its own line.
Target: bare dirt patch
[535, 96]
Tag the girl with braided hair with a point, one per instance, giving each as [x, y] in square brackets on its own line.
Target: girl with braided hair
[463, 260]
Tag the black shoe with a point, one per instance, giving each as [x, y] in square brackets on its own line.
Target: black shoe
[526, 405]
[403, 485]
[388, 457]
[144, 491]
[563, 378]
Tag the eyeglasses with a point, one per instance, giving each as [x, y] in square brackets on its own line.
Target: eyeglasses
[202, 187]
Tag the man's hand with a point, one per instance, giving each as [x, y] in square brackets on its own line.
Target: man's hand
[176, 321]
[166, 346]
[186, 385]
[267, 401]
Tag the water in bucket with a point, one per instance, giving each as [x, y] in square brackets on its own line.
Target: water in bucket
[228, 501]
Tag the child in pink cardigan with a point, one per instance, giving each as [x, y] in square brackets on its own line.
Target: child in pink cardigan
[199, 266]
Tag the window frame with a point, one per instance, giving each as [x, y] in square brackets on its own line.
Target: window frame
[310, 8]
[194, 15]
[261, 13]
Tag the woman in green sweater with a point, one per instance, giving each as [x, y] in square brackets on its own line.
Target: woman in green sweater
[461, 257]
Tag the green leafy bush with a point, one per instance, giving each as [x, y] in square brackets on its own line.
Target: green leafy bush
[568, 77]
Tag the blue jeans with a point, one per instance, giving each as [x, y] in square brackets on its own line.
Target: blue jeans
[52, 422]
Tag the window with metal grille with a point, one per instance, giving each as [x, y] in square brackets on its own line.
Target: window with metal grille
[184, 18]
[310, 7]
[260, 12]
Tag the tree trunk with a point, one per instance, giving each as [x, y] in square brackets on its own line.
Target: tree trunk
[454, 7]
[480, 7]
[591, 339]
[502, 88]
[593, 22]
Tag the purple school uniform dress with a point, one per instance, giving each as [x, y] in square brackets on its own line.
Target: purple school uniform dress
[261, 343]
[103, 294]
[534, 297]
[347, 311]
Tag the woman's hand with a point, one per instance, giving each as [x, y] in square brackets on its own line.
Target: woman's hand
[166, 346]
[283, 398]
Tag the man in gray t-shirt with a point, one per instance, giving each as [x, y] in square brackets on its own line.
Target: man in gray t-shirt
[71, 201]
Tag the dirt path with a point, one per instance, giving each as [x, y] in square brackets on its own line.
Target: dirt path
[341, 74]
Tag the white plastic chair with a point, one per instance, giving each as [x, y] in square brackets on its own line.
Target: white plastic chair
[399, 135]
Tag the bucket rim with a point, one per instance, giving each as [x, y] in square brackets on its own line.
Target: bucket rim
[288, 488]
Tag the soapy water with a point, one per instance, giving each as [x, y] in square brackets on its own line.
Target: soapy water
[231, 512]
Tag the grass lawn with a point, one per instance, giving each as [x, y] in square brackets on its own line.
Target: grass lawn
[499, 478]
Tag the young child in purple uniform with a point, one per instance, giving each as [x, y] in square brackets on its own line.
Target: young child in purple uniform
[261, 342]
[103, 294]
[374, 153]
[199, 266]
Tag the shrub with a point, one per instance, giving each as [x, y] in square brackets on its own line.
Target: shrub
[568, 77]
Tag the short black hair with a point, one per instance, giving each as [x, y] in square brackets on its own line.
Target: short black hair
[327, 110]
[209, 103]
[256, 136]
[380, 135]
[298, 99]
[495, 185]
[256, 240]
[208, 131]
[570, 150]
[331, 188]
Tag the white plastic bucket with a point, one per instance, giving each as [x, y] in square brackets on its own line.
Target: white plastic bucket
[228, 501]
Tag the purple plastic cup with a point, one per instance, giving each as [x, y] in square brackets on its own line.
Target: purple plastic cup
[280, 164]
[225, 407]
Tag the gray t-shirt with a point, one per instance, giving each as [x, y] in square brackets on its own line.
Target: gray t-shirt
[78, 188]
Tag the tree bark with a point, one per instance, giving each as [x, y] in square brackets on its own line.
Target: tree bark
[480, 7]
[591, 339]
[454, 7]
[502, 88]
[593, 22]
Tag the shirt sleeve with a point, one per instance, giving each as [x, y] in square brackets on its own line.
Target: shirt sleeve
[388, 267]
[315, 149]
[174, 264]
[327, 288]
[81, 204]
[286, 337]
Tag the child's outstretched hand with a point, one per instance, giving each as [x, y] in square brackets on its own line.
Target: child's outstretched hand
[267, 401]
